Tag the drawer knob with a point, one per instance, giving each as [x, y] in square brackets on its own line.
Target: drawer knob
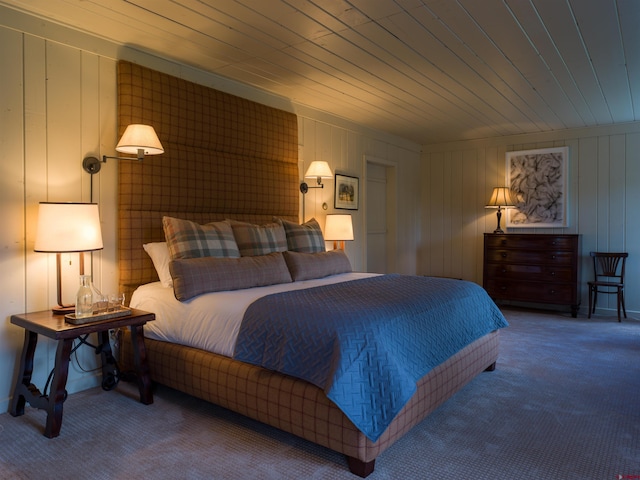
[553, 274]
[504, 255]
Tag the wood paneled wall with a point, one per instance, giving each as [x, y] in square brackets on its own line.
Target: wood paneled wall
[58, 104]
[604, 192]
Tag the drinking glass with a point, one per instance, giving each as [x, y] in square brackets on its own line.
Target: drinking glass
[116, 301]
[100, 304]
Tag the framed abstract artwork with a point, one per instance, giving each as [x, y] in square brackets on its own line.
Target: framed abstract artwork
[538, 181]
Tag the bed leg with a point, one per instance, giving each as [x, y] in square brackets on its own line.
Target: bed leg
[360, 468]
[491, 367]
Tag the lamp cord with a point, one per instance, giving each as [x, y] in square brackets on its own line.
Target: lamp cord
[50, 377]
[108, 383]
[91, 201]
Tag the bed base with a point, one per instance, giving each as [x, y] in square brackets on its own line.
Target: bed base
[299, 407]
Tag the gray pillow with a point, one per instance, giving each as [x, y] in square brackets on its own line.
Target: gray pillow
[306, 266]
[195, 276]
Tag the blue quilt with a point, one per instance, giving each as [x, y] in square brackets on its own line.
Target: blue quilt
[366, 342]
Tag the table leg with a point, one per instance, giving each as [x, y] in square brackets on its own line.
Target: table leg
[23, 382]
[142, 367]
[58, 394]
[109, 367]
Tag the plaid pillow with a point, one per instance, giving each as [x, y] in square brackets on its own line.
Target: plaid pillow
[255, 240]
[305, 238]
[195, 276]
[306, 266]
[187, 239]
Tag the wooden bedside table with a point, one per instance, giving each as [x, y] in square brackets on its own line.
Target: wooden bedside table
[54, 326]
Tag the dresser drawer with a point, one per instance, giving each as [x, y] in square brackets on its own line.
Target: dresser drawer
[531, 242]
[543, 273]
[561, 293]
[528, 257]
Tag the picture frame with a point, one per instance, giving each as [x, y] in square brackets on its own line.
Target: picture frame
[538, 180]
[347, 192]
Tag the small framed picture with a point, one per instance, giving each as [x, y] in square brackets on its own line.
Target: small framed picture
[347, 191]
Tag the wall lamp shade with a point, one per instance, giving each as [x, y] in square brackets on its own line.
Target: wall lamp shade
[137, 139]
[500, 198]
[318, 170]
[67, 227]
[338, 228]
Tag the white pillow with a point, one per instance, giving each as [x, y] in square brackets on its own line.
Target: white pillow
[159, 253]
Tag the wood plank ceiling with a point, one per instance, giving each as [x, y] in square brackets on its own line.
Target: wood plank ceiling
[426, 70]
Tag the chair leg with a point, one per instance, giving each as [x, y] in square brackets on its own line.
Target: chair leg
[618, 302]
[590, 300]
[621, 303]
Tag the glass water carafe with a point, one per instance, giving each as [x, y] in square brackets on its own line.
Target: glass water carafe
[84, 298]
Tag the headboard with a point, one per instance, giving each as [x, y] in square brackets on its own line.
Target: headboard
[225, 157]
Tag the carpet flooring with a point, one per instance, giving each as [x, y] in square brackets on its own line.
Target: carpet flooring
[563, 403]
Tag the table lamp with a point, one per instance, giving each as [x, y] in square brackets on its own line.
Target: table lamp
[338, 228]
[65, 228]
[501, 197]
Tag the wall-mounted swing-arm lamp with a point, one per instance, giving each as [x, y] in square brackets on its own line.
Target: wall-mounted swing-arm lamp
[137, 140]
[317, 170]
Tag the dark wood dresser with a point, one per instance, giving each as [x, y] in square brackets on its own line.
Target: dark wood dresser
[533, 268]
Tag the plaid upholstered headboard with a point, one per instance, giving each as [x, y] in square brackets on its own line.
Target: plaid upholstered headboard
[225, 157]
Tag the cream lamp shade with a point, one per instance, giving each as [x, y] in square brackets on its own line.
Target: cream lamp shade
[500, 197]
[338, 228]
[67, 227]
[140, 137]
[319, 169]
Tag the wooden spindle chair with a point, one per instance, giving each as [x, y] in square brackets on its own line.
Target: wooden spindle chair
[608, 279]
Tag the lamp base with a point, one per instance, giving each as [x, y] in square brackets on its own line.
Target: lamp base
[498, 230]
[338, 244]
[63, 309]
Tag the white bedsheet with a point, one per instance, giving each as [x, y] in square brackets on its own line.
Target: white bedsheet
[211, 321]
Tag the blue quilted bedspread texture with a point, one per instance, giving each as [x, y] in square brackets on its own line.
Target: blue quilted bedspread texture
[366, 342]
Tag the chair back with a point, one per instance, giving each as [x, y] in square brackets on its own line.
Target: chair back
[609, 266]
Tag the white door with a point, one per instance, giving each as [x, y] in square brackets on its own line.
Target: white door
[380, 216]
[376, 218]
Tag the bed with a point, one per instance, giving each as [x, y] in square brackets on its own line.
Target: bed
[227, 160]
